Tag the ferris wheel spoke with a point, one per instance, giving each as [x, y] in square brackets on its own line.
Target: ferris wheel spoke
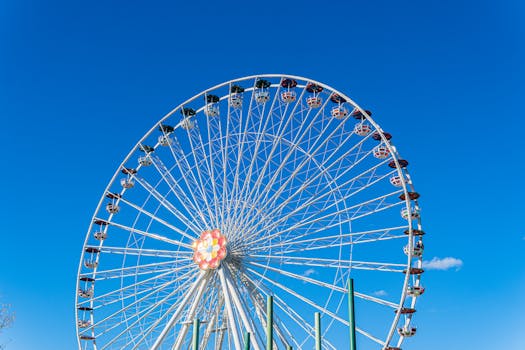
[232, 328]
[299, 136]
[256, 191]
[297, 244]
[333, 263]
[162, 222]
[301, 186]
[100, 323]
[209, 311]
[138, 270]
[234, 294]
[233, 189]
[154, 236]
[146, 312]
[304, 162]
[216, 143]
[284, 307]
[107, 298]
[178, 307]
[225, 160]
[189, 181]
[190, 314]
[376, 300]
[301, 322]
[365, 208]
[194, 187]
[150, 310]
[328, 190]
[325, 169]
[179, 194]
[314, 305]
[105, 302]
[298, 296]
[163, 202]
[279, 135]
[318, 283]
[211, 166]
[141, 251]
[243, 135]
[316, 200]
[211, 326]
[200, 183]
[257, 300]
[256, 146]
[246, 300]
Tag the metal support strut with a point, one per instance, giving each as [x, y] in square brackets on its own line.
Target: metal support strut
[351, 313]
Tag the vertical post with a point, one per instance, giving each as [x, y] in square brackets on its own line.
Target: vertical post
[247, 341]
[351, 313]
[288, 347]
[195, 339]
[317, 331]
[269, 322]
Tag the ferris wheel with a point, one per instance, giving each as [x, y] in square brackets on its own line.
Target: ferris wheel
[265, 185]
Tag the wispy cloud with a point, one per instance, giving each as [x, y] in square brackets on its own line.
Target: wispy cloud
[443, 264]
[380, 293]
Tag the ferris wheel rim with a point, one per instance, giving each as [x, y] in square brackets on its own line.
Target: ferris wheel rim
[406, 185]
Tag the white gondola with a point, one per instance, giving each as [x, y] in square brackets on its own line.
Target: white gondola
[187, 124]
[85, 293]
[145, 161]
[127, 183]
[236, 100]
[417, 251]
[90, 264]
[415, 291]
[339, 112]
[165, 140]
[413, 213]
[381, 152]
[288, 96]
[314, 101]
[362, 129]
[396, 181]
[211, 110]
[100, 235]
[83, 323]
[112, 208]
[407, 331]
[262, 95]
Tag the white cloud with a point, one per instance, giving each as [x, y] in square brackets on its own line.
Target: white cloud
[443, 264]
[309, 272]
[380, 293]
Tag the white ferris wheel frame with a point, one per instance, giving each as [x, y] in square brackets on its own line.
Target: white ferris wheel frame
[230, 294]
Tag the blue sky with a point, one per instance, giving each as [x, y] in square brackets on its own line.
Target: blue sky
[81, 83]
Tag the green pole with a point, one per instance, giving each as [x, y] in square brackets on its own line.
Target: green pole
[351, 313]
[288, 347]
[195, 339]
[317, 331]
[246, 341]
[269, 322]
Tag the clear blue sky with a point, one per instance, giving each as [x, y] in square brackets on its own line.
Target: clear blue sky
[81, 82]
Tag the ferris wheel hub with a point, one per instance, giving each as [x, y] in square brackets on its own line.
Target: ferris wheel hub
[210, 249]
